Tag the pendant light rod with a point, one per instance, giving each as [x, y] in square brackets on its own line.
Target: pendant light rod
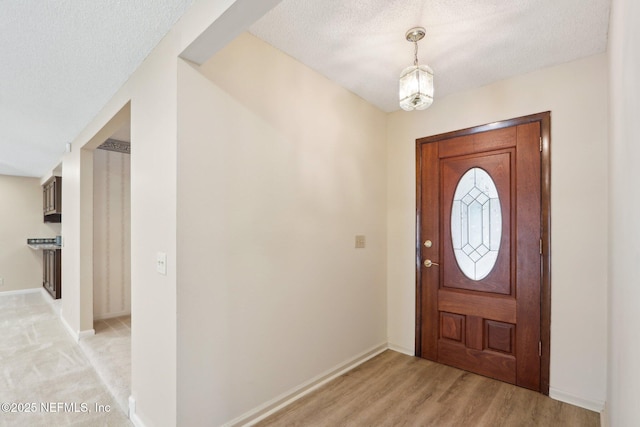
[414, 35]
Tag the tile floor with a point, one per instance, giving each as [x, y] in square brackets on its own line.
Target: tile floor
[44, 371]
[109, 351]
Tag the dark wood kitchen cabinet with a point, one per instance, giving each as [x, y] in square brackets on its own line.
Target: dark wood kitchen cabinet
[51, 272]
[52, 199]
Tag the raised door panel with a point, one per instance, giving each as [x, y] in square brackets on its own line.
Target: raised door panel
[498, 168]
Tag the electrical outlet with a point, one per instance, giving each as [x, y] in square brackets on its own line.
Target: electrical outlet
[1, 281]
[161, 263]
[360, 242]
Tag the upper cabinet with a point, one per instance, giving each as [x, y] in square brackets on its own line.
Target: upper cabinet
[52, 199]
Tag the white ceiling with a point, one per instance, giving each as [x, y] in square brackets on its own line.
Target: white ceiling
[64, 59]
[61, 62]
[361, 45]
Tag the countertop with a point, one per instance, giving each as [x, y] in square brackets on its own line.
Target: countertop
[44, 246]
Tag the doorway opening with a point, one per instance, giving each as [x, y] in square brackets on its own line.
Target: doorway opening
[105, 213]
[111, 346]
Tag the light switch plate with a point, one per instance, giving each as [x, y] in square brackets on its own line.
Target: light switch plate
[161, 263]
[1, 281]
[360, 242]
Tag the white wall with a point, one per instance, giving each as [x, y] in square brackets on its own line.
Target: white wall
[111, 234]
[576, 95]
[332, 273]
[20, 219]
[278, 170]
[624, 225]
[77, 218]
[153, 230]
[149, 100]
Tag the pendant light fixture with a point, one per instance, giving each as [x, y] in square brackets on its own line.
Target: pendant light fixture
[416, 81]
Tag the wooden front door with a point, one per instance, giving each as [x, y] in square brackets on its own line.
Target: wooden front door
[481, 274]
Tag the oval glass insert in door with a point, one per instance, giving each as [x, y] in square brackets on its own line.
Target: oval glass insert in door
[476, 224]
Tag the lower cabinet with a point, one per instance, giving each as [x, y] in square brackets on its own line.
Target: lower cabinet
[51, 272]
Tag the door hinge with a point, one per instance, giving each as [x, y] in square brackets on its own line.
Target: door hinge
[540, 348]
[541, 144]
[540, 246]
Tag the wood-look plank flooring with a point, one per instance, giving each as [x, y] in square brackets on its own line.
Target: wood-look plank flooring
[394, 389]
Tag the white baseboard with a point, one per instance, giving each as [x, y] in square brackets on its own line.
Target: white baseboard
[112, 315]
[56, 304]
[401, 349]
[137, 422]
[69, 329]
[86, 333]
[261, 412]
[590, 404]
[46, 295]
[20, 292]
[604, 416]
[77, 335]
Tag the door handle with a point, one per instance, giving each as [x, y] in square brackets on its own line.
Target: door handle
[428, 263]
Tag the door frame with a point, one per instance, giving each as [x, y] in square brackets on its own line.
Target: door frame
[544, 119]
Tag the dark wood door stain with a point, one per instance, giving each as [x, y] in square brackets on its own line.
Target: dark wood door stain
[493, 323]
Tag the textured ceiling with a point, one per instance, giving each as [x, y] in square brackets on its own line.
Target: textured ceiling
[62, 60]
[360, 44]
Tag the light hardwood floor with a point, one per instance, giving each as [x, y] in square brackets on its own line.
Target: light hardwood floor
[393, 389]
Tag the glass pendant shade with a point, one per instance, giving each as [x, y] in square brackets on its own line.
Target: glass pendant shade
[416, 88]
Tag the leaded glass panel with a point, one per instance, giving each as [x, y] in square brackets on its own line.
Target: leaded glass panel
[476, 224]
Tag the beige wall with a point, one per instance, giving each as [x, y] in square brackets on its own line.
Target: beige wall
[111, 234]
[20, 219]
[153, 230]
[149, 100]
[576, 95]
[278, 170]
[261, 325]
[624, 205]
[77, 219]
